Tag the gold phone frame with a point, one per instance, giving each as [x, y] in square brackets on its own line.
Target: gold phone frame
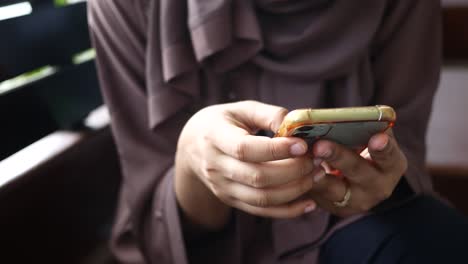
[350, 126]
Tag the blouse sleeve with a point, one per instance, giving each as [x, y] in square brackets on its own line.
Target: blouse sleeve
[147, 227]
[406, 63]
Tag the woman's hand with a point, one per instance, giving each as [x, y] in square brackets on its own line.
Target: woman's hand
[371, 177]
[221, 164]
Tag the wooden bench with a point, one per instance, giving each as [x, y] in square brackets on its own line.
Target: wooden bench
[48, 36]
[58, 178]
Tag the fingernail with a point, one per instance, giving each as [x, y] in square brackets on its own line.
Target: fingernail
[382, 145]
[325, 153]
[319, 176]
[309, 208]
[297, 149]
[317, 162]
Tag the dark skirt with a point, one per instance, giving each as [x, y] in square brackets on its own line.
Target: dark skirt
[424, 230]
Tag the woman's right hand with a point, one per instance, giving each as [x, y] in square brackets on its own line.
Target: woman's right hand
[220, 164]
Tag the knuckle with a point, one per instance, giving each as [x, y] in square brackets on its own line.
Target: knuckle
[238, 177]
[231, 175]
[240, 149]
[208, 171]
[274, 150]
[277, 118]
[262, 200]
[334, 154]
[258, 180]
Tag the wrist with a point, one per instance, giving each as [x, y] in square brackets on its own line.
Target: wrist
[199, 206]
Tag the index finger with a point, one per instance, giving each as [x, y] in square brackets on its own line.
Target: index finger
[348, 162]
[239, 144]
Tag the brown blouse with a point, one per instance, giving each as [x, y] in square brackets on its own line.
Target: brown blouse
[159, 61]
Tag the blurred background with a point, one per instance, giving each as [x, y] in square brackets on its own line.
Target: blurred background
[59, 173]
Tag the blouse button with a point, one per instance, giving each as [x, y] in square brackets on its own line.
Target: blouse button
[158, 214]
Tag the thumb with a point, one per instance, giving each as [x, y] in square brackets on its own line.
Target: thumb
[258, 115]
[386, 153]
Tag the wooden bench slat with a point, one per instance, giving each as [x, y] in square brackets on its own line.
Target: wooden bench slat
[49, 36]
[59, 101]
[71, 94]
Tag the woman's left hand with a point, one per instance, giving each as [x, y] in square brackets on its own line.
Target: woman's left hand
[369, 178]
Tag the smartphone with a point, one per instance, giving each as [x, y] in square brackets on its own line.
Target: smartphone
[350, 126]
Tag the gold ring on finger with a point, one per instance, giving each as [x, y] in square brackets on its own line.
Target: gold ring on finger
[345, 201]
